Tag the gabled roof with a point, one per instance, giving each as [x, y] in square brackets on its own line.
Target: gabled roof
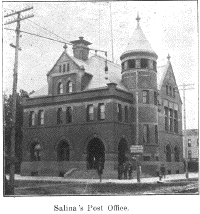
[138, 42]
[161, 73]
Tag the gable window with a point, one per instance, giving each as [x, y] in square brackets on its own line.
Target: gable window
[145, 97]
[119, 112]
[68, 115]
[59, 116]
[90, 113]
[144, 63]
[60, 68]
[41, 117]
[145, 134]
[126, 113]
[64, 68]
[131, 63]
[167, 90]
[155, 98]
[68, 67]
[60, 88]
[166, 119]
[69, 87]
[32, 118]
[101, 111]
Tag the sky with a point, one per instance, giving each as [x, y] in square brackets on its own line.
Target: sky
[170, 27]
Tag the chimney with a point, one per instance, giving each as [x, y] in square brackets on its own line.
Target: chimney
[80, 48]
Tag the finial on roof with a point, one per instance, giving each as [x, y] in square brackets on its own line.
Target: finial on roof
[138, 18]
[65, 47]
[168, 57]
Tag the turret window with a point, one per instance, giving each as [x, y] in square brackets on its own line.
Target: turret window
[145, 134]
[60, 88]
[90, 113]
[32, 118]
[101, 111]
[125, 65]
[144, 63]
[131, 63]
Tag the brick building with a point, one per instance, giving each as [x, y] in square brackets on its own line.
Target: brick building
[191, 144]
[93, 108]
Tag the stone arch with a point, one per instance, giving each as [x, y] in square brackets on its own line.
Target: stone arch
[168, 153]
[95, 153]
[122, 151]
[90, 138]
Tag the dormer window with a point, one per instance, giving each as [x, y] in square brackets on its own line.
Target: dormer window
[60, 88]
[69, 87]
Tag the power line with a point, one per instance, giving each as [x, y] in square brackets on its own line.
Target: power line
[40, 26]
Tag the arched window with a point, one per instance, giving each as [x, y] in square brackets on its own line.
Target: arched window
[41, 117]
[170, 90]
[60, 88]
[167, 90]
[35, 152]
[176, 154]
[168, 153]
[69, 87]
[90, 113]
[63, 151]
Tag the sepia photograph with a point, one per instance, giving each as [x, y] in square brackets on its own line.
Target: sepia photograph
[100, 98]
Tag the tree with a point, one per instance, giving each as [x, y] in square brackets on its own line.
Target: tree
[7, 104]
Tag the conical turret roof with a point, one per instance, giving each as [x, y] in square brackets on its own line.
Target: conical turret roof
[138, 42]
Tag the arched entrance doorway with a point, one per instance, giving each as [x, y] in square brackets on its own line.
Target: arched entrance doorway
[168, 153]
[122, 151]
[63, 151]
[95, 152]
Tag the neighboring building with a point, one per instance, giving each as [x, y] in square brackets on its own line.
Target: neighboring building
[191, 144]
[89, 111]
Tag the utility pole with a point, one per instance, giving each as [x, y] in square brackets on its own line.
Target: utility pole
[184, 87]
[14, 92]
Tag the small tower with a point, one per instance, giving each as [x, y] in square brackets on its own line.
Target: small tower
[139, 75]
[80, 48]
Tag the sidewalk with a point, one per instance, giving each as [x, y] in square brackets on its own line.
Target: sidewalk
[142, 180]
